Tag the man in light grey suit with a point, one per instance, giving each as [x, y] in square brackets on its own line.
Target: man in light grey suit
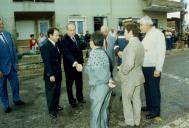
[108, 46]
[109, 42]
[131, 76]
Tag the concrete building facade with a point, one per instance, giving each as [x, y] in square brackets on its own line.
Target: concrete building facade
[23, 17]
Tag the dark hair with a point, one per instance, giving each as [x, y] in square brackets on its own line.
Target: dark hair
[132, 27]
[31, 35]
[120, 33]
[51, 31]
[98, 38]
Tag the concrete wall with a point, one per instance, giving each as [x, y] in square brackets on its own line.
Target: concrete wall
[6, 11]
[162, 18]
[113, 9]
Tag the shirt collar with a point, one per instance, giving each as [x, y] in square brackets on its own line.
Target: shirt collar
[52, 41]
[151, 30]
[1, 33]
[133, 38]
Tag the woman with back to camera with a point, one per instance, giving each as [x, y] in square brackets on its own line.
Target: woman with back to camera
[98, 70]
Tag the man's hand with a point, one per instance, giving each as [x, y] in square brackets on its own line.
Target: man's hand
[79, 67]
[120, 54]
[52, 79]
[157, 73]
[1, 74]
[111, 83]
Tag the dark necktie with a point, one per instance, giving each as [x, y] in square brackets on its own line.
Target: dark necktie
[57, 48]
[74, 40]
[4, 40]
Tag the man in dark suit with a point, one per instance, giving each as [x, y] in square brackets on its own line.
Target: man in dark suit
[73, 60]
[8, 69]
[52, 71]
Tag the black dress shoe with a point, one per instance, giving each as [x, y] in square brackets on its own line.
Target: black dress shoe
[120, 98]
[74, 105]
[82, 101]
[145, 109]
[59, 108]
[53, 115]
[8, 110]
[151, 116]
[18, 103]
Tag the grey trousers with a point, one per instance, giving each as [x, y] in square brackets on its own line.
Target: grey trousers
[100, 98]
[131, 104]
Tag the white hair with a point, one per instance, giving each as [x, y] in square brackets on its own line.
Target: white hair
[146, 20]
[104, 28]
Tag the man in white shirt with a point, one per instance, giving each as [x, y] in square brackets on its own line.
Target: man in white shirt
[155, 49]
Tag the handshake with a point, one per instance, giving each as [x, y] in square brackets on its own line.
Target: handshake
[79, 67]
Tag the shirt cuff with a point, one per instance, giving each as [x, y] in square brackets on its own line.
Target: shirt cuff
[74, 64]
[159, 69]
[115, 47]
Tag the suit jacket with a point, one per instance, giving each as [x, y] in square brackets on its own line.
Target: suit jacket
[52, 61]
[8, 56]
[120, 44]
[71, 53]
[110, 49]
[130, 72]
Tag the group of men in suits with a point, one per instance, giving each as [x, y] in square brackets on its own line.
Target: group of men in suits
[51, 53]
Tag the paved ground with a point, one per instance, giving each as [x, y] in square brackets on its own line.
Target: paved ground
[175, 105]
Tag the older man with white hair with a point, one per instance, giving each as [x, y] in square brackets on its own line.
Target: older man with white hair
[155, 49]
[109, 42]
[108, 46]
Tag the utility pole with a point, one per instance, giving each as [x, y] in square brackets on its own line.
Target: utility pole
[182, 14]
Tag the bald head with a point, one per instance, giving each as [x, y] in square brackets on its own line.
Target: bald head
[71, 30]
[104, 30]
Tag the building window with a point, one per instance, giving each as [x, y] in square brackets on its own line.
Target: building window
[21, 0]
[24, 29]
[33, 0]
[79, 22]
[100, 21]
[43, 26]
[155, 21]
